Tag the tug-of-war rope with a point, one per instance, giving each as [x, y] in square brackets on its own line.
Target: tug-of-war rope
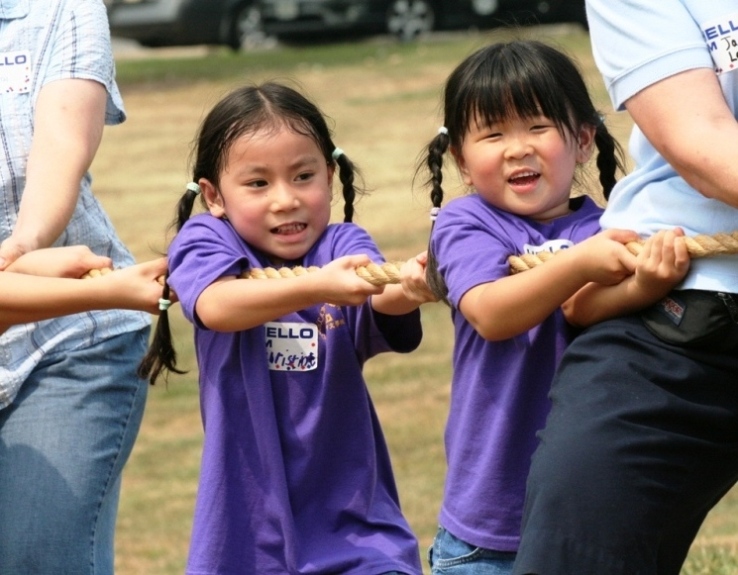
[376, 274]
[700, 246]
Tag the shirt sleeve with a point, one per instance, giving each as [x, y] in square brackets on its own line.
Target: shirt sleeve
[462, 228]
[83, 50]
[636, 43]
[204, 250]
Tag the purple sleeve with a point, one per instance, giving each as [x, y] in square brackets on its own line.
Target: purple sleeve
[467, 248]
[204, 250]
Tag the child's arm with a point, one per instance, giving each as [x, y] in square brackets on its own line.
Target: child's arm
[662, 264]
[399, 299]
[512, 305]
[62, 262]
[25, 298]
[233, 304]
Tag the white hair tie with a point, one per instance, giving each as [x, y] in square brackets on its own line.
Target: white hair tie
[443, 130]
[337, 153]
[194, 187]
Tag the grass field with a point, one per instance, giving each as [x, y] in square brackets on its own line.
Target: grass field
[383, 99]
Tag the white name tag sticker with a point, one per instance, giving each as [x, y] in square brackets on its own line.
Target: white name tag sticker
[291, 346]
[721, 36]
[550, 246]
[15, 72]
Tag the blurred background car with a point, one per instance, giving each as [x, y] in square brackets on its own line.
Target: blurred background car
[245, 24]
[408, 19]
[153, 23]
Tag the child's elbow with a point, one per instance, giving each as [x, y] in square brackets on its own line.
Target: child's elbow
[492, 331]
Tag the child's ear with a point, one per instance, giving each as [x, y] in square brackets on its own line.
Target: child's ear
[212, 198]
[585, 143]
[461, 164]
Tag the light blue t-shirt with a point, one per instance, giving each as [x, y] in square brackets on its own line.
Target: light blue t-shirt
[662, 40]
[41, 42]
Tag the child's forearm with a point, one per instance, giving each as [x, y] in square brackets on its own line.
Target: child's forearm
[595, 302]
[26, 299]
[393, 301]
[512, 305]
[233, 304]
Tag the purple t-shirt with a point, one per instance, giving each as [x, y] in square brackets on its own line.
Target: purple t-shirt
[499, 392]
[295, 476]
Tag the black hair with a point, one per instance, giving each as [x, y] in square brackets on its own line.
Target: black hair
[245, 110]
[518, 79]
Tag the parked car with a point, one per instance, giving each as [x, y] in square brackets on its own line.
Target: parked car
[406, 19]
[234, 23]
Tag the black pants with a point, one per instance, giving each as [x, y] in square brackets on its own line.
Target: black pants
[641, 442]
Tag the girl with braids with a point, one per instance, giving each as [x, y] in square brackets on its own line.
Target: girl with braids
[295, 476]
[518, 121]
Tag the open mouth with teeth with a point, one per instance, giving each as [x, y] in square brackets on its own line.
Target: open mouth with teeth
[524, 179]
[289, 229]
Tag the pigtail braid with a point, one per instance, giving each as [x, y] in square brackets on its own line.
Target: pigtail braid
[434, 164]
[346, 173]
[161, 355]
[610, 158]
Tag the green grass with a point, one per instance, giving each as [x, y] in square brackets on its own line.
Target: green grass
[384, 98]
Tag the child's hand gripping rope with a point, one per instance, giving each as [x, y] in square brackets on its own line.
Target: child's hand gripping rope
[699, 246]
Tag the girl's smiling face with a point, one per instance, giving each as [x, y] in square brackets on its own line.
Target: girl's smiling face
[524, 165]
[275, 190]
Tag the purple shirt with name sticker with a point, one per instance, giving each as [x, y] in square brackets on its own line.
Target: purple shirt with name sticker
[499, 392]
[295, 476]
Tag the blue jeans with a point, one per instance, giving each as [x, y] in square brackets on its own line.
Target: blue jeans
[63, 444]
[450, 555]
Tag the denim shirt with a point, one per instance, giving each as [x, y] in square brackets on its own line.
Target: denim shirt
[42, 41]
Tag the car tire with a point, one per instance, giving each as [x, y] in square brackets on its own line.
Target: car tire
[408, 19]
[245, 28]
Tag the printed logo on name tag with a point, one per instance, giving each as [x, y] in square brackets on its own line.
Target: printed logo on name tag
[721, 36]
[291, 346]
[15, 72]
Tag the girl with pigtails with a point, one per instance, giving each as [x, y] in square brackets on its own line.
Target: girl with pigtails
[295, 475]
[519, 123]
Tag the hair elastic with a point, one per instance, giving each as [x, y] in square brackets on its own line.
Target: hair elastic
[443, 130]
[337, 153]
[164, 304]
[434, 214]
[194, 187]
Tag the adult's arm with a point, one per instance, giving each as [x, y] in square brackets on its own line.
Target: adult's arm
[686, 118]
[68, 126]
[655, 62]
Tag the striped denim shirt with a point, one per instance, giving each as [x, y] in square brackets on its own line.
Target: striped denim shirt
[42, 41]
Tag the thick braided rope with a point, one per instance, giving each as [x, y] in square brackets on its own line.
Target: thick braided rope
[700, 246]
[375, 274]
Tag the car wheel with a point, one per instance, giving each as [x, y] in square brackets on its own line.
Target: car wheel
[246, 30]
[408, 19]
